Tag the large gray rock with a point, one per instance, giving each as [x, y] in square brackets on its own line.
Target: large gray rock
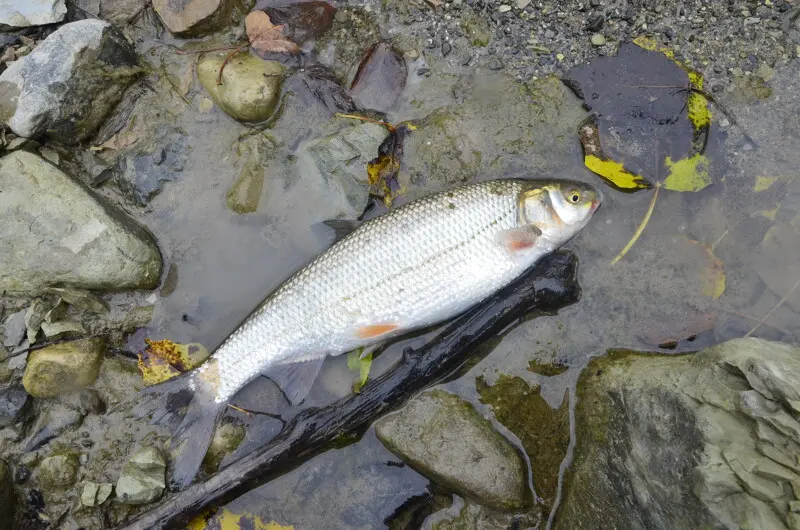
[55, 232]
[444, 438]
[69, 83]
[24, 13]
[708, 440]
[142, 478]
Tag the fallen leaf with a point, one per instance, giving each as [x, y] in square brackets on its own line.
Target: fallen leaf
[596, 160]
[228, 520]
[164, 359]
[359, 366]
[688, 174]
[266, 37]
[382, 171]
[303, 21]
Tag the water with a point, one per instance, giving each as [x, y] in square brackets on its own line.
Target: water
[227, 263]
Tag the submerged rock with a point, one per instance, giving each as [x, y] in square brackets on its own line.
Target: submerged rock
[63, 367]
[380, 78]
[245, 194]
[57, 471]
[142, 478]
[14, 405]
[342, 160]
[227, 438]
[14, 327]
[69, 83]
[53, 421]
[250, 85]
[703, 440]
[24, 13]
[445, 439]
[55, 232]
[193, 18]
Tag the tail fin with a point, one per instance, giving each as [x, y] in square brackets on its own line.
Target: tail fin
[193, 436]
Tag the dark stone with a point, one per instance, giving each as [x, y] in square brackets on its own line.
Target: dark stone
[595, 23]
[446, 49]
[495, 64]
[14, 405]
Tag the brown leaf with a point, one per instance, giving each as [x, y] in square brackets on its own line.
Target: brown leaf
[264, 36]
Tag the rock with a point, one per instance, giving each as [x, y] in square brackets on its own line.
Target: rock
[477, 30]
[63, 367]
[245, 194]
[343, 44]
[717, 428]
[142, 477]
[34, 317]
[95, 494]
[14, 328]
[59, 471]
[14, 405]
[380, 78]
[342, 159]
[70, 237]
[79, 299]
[65, 88]
[445, 439]
[7, 503]
[250, 86]
[55, 330]
[598, 40]
[143, 173]
[194, 18]
[86, 401]
[227, 438]
[24, 13]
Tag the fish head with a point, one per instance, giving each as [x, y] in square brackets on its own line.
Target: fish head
[559, 209]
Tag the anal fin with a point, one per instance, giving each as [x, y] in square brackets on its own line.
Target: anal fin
[295, 379]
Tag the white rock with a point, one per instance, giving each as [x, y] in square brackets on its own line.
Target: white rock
[24, 13]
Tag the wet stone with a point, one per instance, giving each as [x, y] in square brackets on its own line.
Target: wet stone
[63, 367]
[14, 405]
[67, 86]
[24, 13]
[95, 494]
[194, 18]
[56, 472]
[142, 478]
[142, 175]
[445, 439]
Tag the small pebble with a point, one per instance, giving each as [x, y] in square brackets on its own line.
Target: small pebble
[504, 8]
[21, 474]
[446, 48]
[598, 40]
[522, 4]
[495, 64]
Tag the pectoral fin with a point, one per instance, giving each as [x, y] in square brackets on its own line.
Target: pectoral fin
[295, 379]
[373, 331]
[517, 239]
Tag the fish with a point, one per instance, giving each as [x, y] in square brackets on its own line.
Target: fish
[415, 266]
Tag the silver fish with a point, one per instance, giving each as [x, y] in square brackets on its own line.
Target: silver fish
[413, 267]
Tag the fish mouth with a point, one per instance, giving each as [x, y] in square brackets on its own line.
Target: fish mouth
[595, 205]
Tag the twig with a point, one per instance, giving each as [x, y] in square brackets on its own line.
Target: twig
[780, 303]
[209, 50]
[46, 344]
[389, 126]
[750, 317]
[642, 225]
[228, 58]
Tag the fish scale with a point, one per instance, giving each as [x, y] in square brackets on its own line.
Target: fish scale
[416, 265]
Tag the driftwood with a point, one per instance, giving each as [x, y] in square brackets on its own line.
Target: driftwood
[547, 288]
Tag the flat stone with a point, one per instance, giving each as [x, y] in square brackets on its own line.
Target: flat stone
[193, 18]
[445, 439]
[142, 478]
[67, 86]
[63, 367]
[14, 405]
[94, 493]
[55, 232]
[250, 85]
[24, 13]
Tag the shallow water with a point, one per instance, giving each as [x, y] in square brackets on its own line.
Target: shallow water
[227, 263]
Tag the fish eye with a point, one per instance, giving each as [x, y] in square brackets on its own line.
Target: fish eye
[574, 196]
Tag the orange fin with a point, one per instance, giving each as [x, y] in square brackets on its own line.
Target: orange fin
[376, 330]
[516, 239]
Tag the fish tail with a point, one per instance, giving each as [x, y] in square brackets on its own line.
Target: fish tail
[193, 436]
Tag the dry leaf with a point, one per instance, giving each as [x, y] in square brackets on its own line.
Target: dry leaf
[264, 36]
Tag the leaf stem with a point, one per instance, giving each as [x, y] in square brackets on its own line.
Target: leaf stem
[642, 226]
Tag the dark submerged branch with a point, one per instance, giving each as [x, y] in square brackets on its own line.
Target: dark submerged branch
[550, 286]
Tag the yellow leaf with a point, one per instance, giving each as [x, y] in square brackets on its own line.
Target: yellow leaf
[764, 183]
[615, 173]
[227, 520]
[164, 359]
[687, 174]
